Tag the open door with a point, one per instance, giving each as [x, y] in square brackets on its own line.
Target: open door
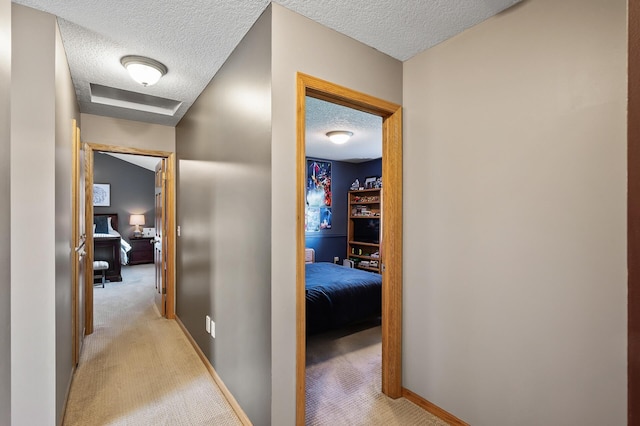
[79, 236]
[160, 249]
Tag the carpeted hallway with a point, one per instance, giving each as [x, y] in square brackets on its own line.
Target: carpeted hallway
[138, 368]
[344, 382]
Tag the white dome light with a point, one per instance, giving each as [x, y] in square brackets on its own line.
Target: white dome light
[339, 136]
[145, 71]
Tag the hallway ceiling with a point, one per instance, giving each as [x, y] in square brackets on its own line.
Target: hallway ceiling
[194, 38]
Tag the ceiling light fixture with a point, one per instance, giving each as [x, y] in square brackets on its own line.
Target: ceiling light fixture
[145, 71]
[339, 136]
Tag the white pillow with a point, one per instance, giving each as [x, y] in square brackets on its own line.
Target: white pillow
[109, 227]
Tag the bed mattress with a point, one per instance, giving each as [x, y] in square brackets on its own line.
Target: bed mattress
[337, 296]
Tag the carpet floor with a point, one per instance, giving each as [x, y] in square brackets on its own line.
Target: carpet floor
[344, 379]
[138, 368]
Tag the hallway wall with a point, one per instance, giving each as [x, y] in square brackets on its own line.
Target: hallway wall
[42, 106]
[515, 250]
[5, 210]
[126, 133]
[301, 45]
[224, 212]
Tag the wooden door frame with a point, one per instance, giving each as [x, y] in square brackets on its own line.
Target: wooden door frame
[633, 216]
[170, 227]
[390, 245]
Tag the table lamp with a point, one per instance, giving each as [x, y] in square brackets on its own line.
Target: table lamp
[137, 220]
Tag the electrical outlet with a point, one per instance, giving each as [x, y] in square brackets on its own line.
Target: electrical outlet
[213, 329]
[207, 324]
[336, 259]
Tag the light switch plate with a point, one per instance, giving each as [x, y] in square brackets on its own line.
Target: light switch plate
[207, 325]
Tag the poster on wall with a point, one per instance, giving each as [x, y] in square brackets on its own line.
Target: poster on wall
[318, 208]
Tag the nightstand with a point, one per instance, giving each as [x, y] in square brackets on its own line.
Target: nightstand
[141, 251]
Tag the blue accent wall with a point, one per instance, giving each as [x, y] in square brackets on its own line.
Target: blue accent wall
[329, 243]
[370, 168]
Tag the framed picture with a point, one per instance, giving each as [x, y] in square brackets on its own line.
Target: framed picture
[370, 182]
[101, 194]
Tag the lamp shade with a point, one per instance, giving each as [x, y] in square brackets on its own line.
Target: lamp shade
[136, 219]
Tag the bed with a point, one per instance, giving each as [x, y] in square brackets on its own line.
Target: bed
[109, 245]
[338, 295]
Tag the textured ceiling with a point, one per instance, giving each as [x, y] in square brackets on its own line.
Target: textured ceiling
[323, 117]
[193, 38]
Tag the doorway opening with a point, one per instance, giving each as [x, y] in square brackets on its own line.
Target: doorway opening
[390, 244]
[162, 217]
[342, 231]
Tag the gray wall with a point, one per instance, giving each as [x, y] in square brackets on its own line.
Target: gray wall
[5, 223]
[515, 243]
[132, 190]
[223, 147]
[126, 133]
[301, 45]
[42, 106]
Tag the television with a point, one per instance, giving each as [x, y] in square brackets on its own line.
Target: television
[366, 230]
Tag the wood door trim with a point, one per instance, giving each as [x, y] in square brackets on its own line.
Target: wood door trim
[433, 408]
[88, 222]
[170, 187]
[391, 254]
[127, 150]
[170, 231]
[633, 216]
[391, 235]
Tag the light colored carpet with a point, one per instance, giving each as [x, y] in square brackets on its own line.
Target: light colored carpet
[344, 381]
[138, 368]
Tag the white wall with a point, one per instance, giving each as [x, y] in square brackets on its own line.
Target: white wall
[5, 210]
[125, 133]
[300, 44]
[515, 198]
[33, 243]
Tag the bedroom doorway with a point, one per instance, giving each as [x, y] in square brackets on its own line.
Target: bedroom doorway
[166, 239]
[390, 243]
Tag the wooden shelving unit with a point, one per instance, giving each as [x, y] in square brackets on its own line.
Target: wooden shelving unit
[364, 229]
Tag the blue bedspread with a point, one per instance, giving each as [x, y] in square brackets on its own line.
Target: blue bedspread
[338, 295]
